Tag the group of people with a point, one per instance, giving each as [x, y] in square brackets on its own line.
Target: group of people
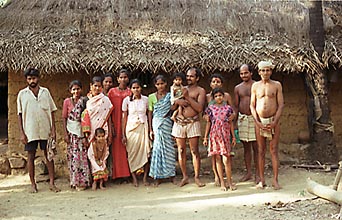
[117, 132]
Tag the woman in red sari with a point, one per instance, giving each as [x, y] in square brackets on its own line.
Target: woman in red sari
[116, 95]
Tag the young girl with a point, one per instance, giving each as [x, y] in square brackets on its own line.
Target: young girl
[97, 154]
[216, 81]
[220, 129]
[135, 131]
[76, 148]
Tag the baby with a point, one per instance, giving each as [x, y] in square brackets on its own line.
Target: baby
[177, 93]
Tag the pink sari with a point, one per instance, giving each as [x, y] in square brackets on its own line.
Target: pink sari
[98, 110]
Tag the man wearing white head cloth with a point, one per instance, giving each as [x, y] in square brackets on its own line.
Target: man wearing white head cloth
[267, 104]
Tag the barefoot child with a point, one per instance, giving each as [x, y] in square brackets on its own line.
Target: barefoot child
[176, 91]
[220, 129]
[97, 154]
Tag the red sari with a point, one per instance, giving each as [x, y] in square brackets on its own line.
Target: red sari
[119, 154]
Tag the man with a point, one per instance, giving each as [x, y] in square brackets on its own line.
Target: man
[188, 126]
[36, 123]
[242, 93]
[267, 104]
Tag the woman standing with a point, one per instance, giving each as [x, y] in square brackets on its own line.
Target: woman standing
[163, 157]
[76, 147]
[135, 132]
[116, 95]
[97, 113]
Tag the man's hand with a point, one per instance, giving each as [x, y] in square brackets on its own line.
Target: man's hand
[182, 102]
[23, 138]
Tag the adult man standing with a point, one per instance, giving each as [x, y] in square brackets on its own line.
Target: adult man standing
[188, 126]
[246, 125]
[267, 104]
[36, 123]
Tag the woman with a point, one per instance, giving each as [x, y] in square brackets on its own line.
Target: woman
[116, 95]
[97, 113]
[107, 83]
[76, 149]
[135, 132]
[163, 154]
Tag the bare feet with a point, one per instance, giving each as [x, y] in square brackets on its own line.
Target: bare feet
[94, 186]
[135, 183]
[146, 183]
[173, 180]
[102, 187]
[157, 182]
[257, 179]
[183, 182]
[232, 187]
[217, 181]
[261, 185]
[199, 183]
[80, 188]
[246, 177]
[54, 188]
[276, 185]
[34, 189]
[223, 188]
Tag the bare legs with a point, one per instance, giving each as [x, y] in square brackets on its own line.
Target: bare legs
[146, 171]
[227, 161]
[274, 156]
[213, 165]
[51, 168]
[196, 160]
[30, 165]
[248, 146]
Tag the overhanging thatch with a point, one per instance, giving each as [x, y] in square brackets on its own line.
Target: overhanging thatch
[67, 36]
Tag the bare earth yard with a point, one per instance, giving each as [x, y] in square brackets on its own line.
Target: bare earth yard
[169, 201]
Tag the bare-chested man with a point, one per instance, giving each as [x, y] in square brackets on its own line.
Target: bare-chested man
[267, 104]
[188, 126]
[246, 125]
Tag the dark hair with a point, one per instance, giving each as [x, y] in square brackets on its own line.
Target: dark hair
[99, 131]
[159, 77]
[197, 71]
[75, 82]
[126, 71]
[96, 79]
[31, 72]
[133, 81]
[108, 75]
[216, 75]
[215, 91]
[249, 67]
[180, 75]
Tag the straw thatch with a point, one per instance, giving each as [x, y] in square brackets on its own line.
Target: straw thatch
[105, 35]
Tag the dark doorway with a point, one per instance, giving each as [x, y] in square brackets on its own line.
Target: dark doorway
[3, 105]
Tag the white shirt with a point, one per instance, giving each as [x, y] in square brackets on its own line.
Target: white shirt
[36, 113]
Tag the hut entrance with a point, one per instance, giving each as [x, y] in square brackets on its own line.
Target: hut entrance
[3, 106]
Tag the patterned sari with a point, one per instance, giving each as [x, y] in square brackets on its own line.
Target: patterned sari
[163, 157]
[76, 152]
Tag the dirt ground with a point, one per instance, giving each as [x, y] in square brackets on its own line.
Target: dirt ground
[169, 201]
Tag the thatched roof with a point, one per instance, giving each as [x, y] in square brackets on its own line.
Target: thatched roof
[93, 35]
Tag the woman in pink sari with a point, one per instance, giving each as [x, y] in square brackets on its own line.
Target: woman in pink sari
[120, 168]
[97, 112]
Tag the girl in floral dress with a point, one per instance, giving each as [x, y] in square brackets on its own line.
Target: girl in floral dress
[220, 130]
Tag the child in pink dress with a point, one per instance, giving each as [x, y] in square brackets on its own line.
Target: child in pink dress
[221, 130]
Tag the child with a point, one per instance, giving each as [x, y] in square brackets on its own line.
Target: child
[216, 81]
[221, 129]
[97, 154]
[176, 93]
